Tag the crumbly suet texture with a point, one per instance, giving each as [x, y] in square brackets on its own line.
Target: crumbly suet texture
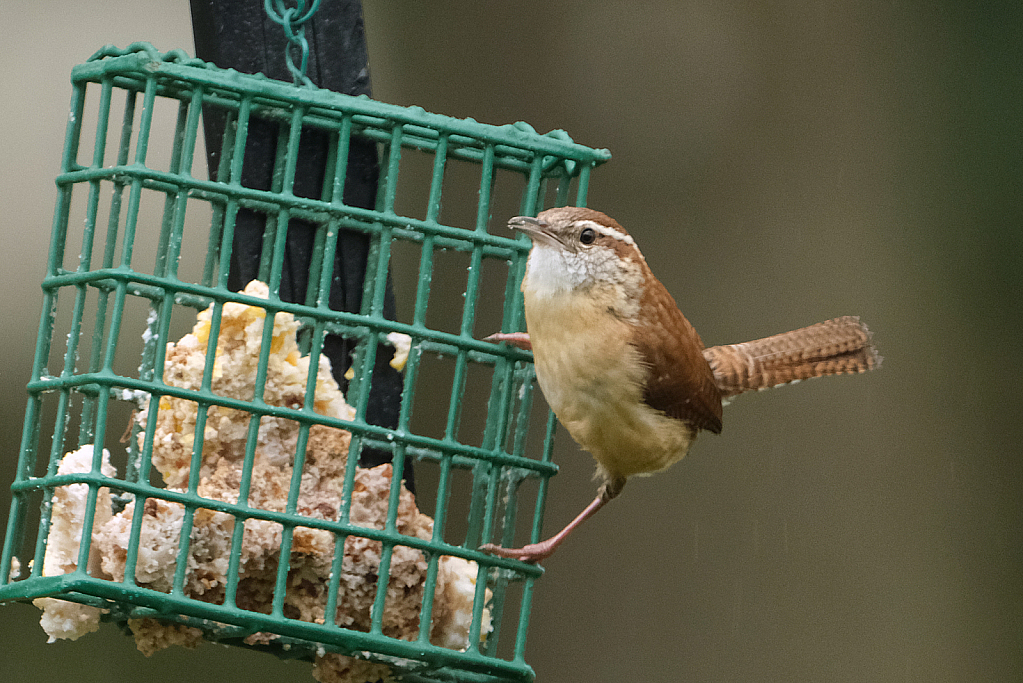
[152, 635]
[402, 344]
[61, 619]
[320, 497]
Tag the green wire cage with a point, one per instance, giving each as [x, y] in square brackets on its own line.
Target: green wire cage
[187, 527]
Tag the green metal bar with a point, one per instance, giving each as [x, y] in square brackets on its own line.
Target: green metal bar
[455, 404]
[328, 104]
[524, 613]
[541, 494]
[273, 217]
[123, 150]
[344, 520]
[116, 317]
[340, 173]
[27, 458]
[58, 239]
[355, 218]
[199, 439]
[113, 223]
[382, 258]
[363, 359]
[308, 406]
[70, 359]
[541, 198]
[513, 157]
[440, 160]
[241, 510]
[377, 611]
[530, 196]
[283, 563]
[231, 211]
[13, 538]
[99, 148]
[164, 257]
[358, 427]
[88, 407]
[524, 378]
[409, 389]
[135, 196]
[377, 260]
[435, 342]
[333, 587]
[151, 348]
[325, 261]
[423, 283]
[257, 402]
[220, 210]
[188, 520]
[384, 569]
[108, 353]
[141, 496]
[348, 640]
[527, 589]
[85, 260]
[564, 185]
[582, 187]
[282, 222]
[439, 519]
[391, 172]
[154, 354]
[512, 320]
[476, 262]
[481, 577]
[85, 542]
[108, 262]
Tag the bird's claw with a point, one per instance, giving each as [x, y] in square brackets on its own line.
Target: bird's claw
[533, 552]
[519, 339]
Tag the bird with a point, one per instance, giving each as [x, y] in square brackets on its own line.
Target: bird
[623, 369]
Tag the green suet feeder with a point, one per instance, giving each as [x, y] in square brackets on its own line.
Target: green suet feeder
[121, 288]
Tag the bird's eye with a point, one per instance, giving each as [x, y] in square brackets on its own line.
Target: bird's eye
[587, 236]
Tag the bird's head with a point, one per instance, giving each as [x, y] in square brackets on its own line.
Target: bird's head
[576, 248]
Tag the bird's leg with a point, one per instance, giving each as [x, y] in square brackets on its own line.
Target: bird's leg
[535, 552]
[519, 339]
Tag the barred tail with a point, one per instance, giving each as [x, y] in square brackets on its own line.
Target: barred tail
[834, 347]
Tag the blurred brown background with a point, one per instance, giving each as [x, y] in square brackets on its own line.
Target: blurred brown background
[780, 163]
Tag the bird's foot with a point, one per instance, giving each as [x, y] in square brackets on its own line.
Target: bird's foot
[519, 339]
[534, 552]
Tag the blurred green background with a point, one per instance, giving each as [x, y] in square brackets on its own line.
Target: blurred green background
[779, 163]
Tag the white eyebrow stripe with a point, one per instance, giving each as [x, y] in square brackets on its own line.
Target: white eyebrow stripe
[609, 232]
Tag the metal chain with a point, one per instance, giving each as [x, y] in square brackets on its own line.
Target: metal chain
[293, 20]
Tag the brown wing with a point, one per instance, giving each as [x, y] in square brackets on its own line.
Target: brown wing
[684, 388]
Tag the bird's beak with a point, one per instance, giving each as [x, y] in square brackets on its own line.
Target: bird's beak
[537, 230]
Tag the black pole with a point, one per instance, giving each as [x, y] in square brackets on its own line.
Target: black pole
[238, 34]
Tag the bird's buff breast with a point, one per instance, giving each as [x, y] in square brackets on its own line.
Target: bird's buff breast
[592, 377]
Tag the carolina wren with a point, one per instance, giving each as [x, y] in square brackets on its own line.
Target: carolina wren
[623, 369]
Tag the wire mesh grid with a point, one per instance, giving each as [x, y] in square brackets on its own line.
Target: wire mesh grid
[155, 251]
